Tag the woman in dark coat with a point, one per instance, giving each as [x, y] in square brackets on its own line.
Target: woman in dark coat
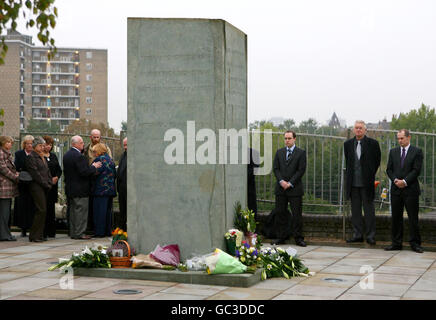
[52, 196]
[24, 207]
[39, 187]
[103, 191]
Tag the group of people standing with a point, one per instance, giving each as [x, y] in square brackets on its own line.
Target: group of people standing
[363, 157]
[91, 183]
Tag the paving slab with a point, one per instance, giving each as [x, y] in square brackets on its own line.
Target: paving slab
[300, 297]
[172, 296]
[425, 285]
[55, 294]
[355, 296]
[381, 289]
[194, 289]
[278, 283]
[409, 261]
[245, 294]
[89, 284]
[315, 290]
[400, 270]
[332, 280]
[108, 293]
[419, 295]
[409, 279]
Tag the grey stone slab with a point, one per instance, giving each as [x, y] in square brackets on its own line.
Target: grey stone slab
[396, 278]
[109, 292]
[400, 270]
[172, 296]
[411, 261]
[27, 284]
[24, 249]
[419, 295]
[316, 291]
[245, 294]
[425, 285]
[355, 296]
[381, 289]
[278, 283]
[194, 289]
[183, 70]
[192, 277]
[301, 297]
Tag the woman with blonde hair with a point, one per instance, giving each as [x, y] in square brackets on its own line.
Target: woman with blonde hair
[24, 207]
[8, 186]
[103, 191]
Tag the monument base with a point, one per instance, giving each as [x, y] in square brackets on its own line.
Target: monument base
[243, 280]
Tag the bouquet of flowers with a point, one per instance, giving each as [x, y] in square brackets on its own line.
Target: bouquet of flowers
[281, 263]
[244, 219]
[88, 258]
[249, 256]
[119, 234]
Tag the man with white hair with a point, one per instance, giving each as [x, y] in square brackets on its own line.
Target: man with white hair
[362, 156]
[77, 173]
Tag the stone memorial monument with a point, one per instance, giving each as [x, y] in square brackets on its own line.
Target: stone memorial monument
[187, 88]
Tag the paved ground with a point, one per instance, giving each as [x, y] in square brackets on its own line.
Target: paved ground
[397, 275]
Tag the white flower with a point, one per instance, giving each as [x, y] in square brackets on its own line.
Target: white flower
[269, 267]
[87, 251]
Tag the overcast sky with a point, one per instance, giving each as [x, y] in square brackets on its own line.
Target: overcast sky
[362, 59]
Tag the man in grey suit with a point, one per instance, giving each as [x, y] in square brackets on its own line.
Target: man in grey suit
[289, 167]
[362, 156]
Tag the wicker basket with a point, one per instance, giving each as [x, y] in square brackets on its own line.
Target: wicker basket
[122, 262]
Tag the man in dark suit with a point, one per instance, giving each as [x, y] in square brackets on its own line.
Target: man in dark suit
[77, 172]
[289, 167]
[362, 156]
[121, 218]
[403, 169]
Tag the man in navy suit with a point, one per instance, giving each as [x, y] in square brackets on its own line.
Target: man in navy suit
[289, 167]
[77, 173]
[403, 169]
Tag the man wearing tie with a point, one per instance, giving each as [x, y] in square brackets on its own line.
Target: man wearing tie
[362, 156]
[289, 168]
[403, 169]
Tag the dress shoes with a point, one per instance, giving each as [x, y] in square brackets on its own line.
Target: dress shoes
[371, 242]
[277, 241]
[36, 240]
[417, 249]
[355, 240]
[300, 243]
[84, 237]
[393, 247]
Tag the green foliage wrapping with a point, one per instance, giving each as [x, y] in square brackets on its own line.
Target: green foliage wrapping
[244, 219]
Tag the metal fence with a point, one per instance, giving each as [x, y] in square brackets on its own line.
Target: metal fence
[324, 177]
[62, 143]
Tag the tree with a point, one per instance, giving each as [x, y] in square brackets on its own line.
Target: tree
[39, 13]
[83, 127]
[308, 126]
[123, 125]
[42, 126]
[422, 119]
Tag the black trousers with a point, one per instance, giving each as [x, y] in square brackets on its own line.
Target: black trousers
[361, 226]
[39, 196]
[120, 219]
[411, 203]
[296, 217]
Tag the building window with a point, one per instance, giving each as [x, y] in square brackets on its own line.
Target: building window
[89, 77]
[89, 66]
[89, 89]
[88, 55]
[88, 111]
[88, 100]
